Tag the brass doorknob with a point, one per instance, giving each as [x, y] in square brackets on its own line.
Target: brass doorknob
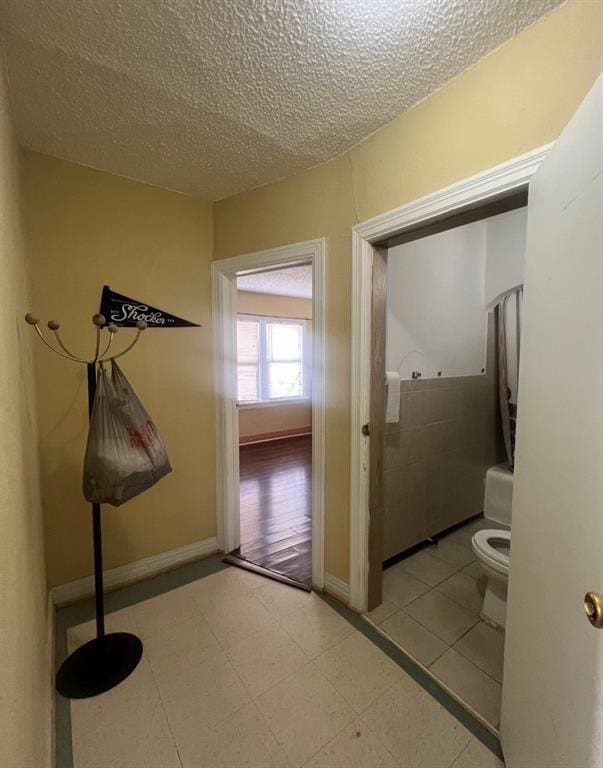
[593, 605]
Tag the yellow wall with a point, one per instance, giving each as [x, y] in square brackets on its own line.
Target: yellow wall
[25, 689]
[516, 99]
[274, 418]
[87, 228]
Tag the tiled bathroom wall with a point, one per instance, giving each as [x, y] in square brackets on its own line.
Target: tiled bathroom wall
[436, 457]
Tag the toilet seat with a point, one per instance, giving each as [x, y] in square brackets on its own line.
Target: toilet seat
[494, 557]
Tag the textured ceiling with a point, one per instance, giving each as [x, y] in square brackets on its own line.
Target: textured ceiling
[213, 97]
[291, 281]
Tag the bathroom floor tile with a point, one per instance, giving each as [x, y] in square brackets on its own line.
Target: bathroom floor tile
[358, 669]
[382, 612]
[475, 755]
[456, 555]
[305, 713]
[422, 644]
[441, 616]
[400, 588]
[464, 590]
[427, 568]
[477, 689]
[485, 647]
[474, 570]
[415, 729]
[355, 747]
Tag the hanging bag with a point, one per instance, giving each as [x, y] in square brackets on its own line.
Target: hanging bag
[125, 453]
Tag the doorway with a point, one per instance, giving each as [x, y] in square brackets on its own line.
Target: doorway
[270, 382]
[274, 380]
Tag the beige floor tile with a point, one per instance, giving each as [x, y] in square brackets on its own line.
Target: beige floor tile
[242, 741]
[235, 619]
[305, 713]
[400, 588]
[354, 747]
[414, 638]
[382, 612]
[317, 628]
[164, 611]
[280, 599]
[453, 553]
[172, 653]
[464, 590]
[415, 729]
[477, 756]
[264, 659]
[124, 727]
[213, 691]
[358, 669]
[475, 571]
[117, 621]
[470, 684]
[427, 568]
[485, 647]
[441, 616]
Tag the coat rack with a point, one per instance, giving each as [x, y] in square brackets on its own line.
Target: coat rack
[102, 663]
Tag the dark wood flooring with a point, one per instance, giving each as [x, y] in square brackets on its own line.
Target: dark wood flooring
[276, 506]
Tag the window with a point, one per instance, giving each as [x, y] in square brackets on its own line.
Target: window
[272, 359]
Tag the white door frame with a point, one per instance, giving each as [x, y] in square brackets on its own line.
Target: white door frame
[224, 314]
[471, 192]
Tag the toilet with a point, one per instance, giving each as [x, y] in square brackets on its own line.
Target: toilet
[492, 546]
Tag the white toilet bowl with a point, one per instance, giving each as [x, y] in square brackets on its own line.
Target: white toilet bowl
[492, 548]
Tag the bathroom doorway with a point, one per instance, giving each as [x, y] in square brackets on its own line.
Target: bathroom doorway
[451, 297]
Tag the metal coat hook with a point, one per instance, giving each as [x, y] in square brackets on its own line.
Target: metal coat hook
[100, 323]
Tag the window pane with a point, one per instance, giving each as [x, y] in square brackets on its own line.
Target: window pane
[248, 383]
[247, 357]
[247, 341]
[285, 380]
[284, 342]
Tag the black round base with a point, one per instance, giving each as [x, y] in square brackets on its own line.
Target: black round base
[98, 666]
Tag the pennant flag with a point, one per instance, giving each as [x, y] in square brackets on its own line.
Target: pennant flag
[124, 311]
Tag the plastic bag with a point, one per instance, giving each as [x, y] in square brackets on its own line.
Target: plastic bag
[125, 454]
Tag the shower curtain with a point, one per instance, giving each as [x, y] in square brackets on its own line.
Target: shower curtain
[508, 317]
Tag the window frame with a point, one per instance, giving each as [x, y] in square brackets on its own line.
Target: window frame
[262, 365]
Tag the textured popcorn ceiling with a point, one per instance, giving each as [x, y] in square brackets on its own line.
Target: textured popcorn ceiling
[213, 97]
[291, 281]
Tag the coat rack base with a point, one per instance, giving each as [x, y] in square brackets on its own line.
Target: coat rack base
[99, 665]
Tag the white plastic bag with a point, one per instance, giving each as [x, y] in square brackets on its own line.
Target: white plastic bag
[125, 454]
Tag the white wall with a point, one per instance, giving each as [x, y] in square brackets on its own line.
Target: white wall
[438, 291]
[505, 244]
[435, 304]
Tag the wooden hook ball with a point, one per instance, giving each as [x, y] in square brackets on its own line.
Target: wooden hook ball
[141, 325]
[112, 328]
[99, 320]
[31, 319]
[53, 325]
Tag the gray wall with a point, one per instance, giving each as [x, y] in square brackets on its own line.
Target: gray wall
[435, 459]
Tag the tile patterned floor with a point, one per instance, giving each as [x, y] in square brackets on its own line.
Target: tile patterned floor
[242, 671]
[430, 609]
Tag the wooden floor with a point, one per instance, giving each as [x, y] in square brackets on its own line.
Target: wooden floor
[276, 506]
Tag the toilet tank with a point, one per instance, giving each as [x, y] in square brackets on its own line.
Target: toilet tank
[498, 494]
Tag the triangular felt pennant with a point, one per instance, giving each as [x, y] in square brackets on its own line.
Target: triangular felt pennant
[124, 311]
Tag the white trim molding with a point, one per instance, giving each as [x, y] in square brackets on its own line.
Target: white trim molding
[139, 569]
[224, 274]
[487, 186]
[337, 588]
